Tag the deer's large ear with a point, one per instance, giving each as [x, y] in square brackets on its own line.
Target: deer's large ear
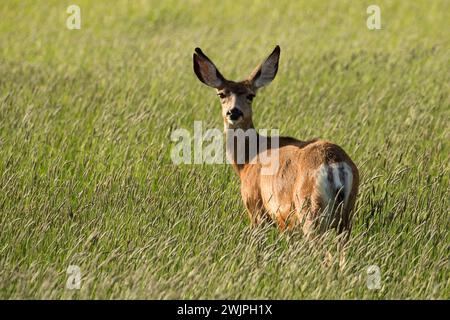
[206, 71]
[266, 71]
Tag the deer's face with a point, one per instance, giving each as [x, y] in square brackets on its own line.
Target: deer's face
[236, 100]
[236, 97]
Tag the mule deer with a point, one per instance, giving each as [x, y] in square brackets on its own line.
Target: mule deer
[315, 183]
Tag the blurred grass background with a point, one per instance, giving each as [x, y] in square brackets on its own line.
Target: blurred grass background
[85, 172]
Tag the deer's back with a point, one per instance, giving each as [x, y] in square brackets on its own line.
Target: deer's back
[299, 178]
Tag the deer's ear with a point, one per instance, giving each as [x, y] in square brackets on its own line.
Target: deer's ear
[206, 71]
[266, 71]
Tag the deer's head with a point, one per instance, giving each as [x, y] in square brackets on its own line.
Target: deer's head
[236, 97]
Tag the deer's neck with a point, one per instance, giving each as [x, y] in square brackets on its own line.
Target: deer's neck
[242, 146]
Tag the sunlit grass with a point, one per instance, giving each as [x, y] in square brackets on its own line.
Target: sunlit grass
[85, 171]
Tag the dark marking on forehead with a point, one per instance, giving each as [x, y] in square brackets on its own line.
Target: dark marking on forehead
[242, 87]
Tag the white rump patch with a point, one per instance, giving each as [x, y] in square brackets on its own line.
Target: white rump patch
[341, 177]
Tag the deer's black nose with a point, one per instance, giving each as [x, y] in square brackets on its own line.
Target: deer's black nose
[234, 114]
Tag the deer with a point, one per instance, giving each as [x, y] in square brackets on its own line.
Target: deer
[315, 183]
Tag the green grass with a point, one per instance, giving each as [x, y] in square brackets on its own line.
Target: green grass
[85, 172]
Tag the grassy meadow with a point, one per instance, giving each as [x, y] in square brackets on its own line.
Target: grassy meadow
[86, 176]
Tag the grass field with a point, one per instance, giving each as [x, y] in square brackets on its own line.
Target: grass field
[86, 177]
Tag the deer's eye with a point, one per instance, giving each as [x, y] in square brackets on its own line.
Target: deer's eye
[221, 95]
[250, 97]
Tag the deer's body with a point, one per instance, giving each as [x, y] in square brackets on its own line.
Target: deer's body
[315, 183]
[311, 179]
